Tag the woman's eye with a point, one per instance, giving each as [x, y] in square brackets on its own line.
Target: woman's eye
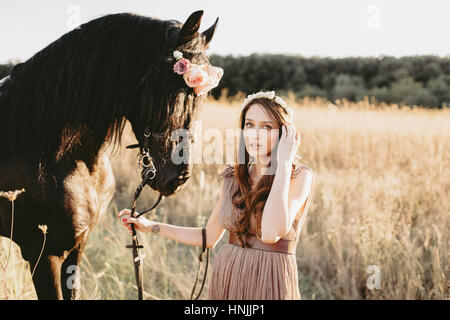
[268, 127]
[248, 124]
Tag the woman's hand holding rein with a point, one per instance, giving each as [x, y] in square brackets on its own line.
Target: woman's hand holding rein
[140, 224]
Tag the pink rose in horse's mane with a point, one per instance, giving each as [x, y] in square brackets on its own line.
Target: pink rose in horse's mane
[182, 66]
[196, 76]
[214, 76]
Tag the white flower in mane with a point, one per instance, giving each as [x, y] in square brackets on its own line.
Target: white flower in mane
[178, 55]
[269, 95]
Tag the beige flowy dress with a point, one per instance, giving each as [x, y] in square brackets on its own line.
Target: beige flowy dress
[248, 273]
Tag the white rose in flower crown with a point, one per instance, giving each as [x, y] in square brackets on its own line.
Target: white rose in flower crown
[261, 94]
[269, 95]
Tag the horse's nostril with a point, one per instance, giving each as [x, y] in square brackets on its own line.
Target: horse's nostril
[183, 180]
[185, 177]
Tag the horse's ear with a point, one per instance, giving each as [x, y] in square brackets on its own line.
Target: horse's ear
[190, 27]
[209, 33]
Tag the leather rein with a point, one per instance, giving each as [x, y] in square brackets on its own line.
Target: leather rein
[148, 172]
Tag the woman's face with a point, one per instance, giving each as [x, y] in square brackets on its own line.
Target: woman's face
[260, 132]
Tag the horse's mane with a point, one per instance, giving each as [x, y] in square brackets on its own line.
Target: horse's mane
[88, 80]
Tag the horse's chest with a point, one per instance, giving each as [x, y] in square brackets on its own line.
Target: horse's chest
[88, 193]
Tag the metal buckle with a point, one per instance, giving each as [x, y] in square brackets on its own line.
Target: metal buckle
[148, 171]
[147, 160]
[146, 163]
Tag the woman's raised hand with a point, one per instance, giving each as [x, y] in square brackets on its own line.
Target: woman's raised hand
[140, 224]
[288, 145]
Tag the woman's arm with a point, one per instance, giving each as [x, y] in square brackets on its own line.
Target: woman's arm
[287, 195]
[284, 202]
[187, 235]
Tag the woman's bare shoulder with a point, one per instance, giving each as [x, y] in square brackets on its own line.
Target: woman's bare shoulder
[299, 167]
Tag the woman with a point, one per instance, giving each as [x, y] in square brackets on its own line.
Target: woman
[263, 204]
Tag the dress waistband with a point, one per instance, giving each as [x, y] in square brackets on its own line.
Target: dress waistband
[282, 245]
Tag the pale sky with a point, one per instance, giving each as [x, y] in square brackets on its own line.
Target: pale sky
[309, 28]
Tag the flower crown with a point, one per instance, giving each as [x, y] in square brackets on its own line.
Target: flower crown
[271, 96]
[200, 77]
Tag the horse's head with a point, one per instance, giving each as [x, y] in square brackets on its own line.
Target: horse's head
[163, 120]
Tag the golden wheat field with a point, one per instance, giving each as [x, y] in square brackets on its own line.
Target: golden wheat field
[381, 202]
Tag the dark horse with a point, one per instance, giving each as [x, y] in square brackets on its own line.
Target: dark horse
[60, 110]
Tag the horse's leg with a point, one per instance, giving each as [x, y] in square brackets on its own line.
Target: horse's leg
[47, 277]
[88, 201]
[70, 273]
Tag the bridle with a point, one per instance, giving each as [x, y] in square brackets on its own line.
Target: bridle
[145, 161]
[148, 172]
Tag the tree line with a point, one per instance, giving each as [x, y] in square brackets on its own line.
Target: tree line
[409, 80]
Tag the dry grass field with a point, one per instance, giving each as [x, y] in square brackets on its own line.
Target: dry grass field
[381, 202]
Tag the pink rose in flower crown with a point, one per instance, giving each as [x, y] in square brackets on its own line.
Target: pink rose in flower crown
[182, 66]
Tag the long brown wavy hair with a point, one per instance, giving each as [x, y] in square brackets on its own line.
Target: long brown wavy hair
[251, 202]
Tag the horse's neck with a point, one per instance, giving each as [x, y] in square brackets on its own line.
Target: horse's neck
[85, 143]
[89, 148]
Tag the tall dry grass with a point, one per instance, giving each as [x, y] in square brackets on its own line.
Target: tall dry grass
[381, 199]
